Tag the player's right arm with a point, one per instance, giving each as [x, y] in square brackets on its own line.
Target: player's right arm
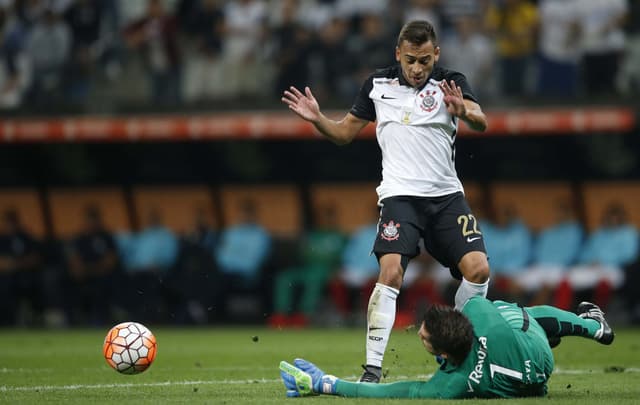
[306, 106]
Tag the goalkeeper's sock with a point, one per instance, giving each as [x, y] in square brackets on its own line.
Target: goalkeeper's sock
[467, 289]
[381, 315]
[558, 323]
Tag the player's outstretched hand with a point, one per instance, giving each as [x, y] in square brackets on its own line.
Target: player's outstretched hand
[304, 378]
[297, 382]
[322, 382]
[303, 104]
[453, 98]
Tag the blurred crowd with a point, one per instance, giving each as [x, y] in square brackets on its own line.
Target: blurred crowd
[242, 273]
[94, 54]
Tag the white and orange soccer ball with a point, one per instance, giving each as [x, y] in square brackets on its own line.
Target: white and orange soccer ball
[130, 348]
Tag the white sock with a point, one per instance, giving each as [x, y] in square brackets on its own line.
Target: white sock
[381, 314]
[467, 289]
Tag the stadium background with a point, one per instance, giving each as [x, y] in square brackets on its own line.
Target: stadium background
[88, 128]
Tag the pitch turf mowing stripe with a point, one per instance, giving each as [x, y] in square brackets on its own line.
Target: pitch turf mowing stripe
[261, 381]
[130, 385]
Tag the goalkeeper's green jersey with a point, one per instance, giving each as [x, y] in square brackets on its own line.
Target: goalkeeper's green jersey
[510, 357]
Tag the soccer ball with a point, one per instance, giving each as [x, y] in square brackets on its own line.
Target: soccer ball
[129, 348]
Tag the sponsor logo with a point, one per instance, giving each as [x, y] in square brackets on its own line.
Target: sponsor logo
[477, 372]
[470, 387]
[390, 231]
[470, 239]
[385, 97]
[375, 338]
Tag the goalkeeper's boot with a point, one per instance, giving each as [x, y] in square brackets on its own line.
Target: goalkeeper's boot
[588, 310]
[372, 374]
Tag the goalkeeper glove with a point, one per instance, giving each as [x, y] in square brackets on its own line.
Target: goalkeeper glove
[305, 378]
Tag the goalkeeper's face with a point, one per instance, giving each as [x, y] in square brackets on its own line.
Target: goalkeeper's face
[425, 337]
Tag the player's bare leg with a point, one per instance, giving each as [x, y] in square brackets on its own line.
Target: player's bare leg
[474, 267]
[381, 314]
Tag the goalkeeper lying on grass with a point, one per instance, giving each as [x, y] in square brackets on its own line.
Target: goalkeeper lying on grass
[490, 349]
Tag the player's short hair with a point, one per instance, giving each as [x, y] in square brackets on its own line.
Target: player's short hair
[450, 332]
[417, 32]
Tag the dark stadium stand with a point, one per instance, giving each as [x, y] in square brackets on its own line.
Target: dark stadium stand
[28, 205]
[279, 207]
[353, 203]
[535, 203]
[179, 206]
[67, 207]
[597, 196]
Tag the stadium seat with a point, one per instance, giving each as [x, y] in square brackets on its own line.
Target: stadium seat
[535, 203]
[28, 205]
[279, 207]
[353, 202]
[178, 205]
[67, 207]
[597, 196]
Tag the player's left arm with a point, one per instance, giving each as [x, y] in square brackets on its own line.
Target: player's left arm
[462, 107]
[473, 116]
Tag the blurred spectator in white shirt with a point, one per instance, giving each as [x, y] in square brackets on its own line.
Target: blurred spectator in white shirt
[48, 48]
[204, 69]
[628, 80]
[603, 42]
[558, 46]
[451, 10]
[14, 68]
[423, 10]
[351, 8]
[246, 66]
[154, 36]
[470, 51]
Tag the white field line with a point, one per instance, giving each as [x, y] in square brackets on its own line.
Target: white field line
[130, 385]
[73, 387]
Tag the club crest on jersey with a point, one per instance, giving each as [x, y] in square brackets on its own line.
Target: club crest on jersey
[429, 102]
[390, 231]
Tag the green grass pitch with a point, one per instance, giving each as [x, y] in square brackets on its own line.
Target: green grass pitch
[240, 365]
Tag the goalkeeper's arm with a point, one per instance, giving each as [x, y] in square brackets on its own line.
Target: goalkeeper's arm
[305, 379]
[437, 387]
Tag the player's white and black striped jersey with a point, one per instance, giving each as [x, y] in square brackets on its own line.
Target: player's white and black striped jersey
[415, 132]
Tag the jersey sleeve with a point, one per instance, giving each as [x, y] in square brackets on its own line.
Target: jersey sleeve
[441, 386]
[461, 81]
[363, 105]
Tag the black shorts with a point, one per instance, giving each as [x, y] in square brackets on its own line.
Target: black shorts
[445, 223]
